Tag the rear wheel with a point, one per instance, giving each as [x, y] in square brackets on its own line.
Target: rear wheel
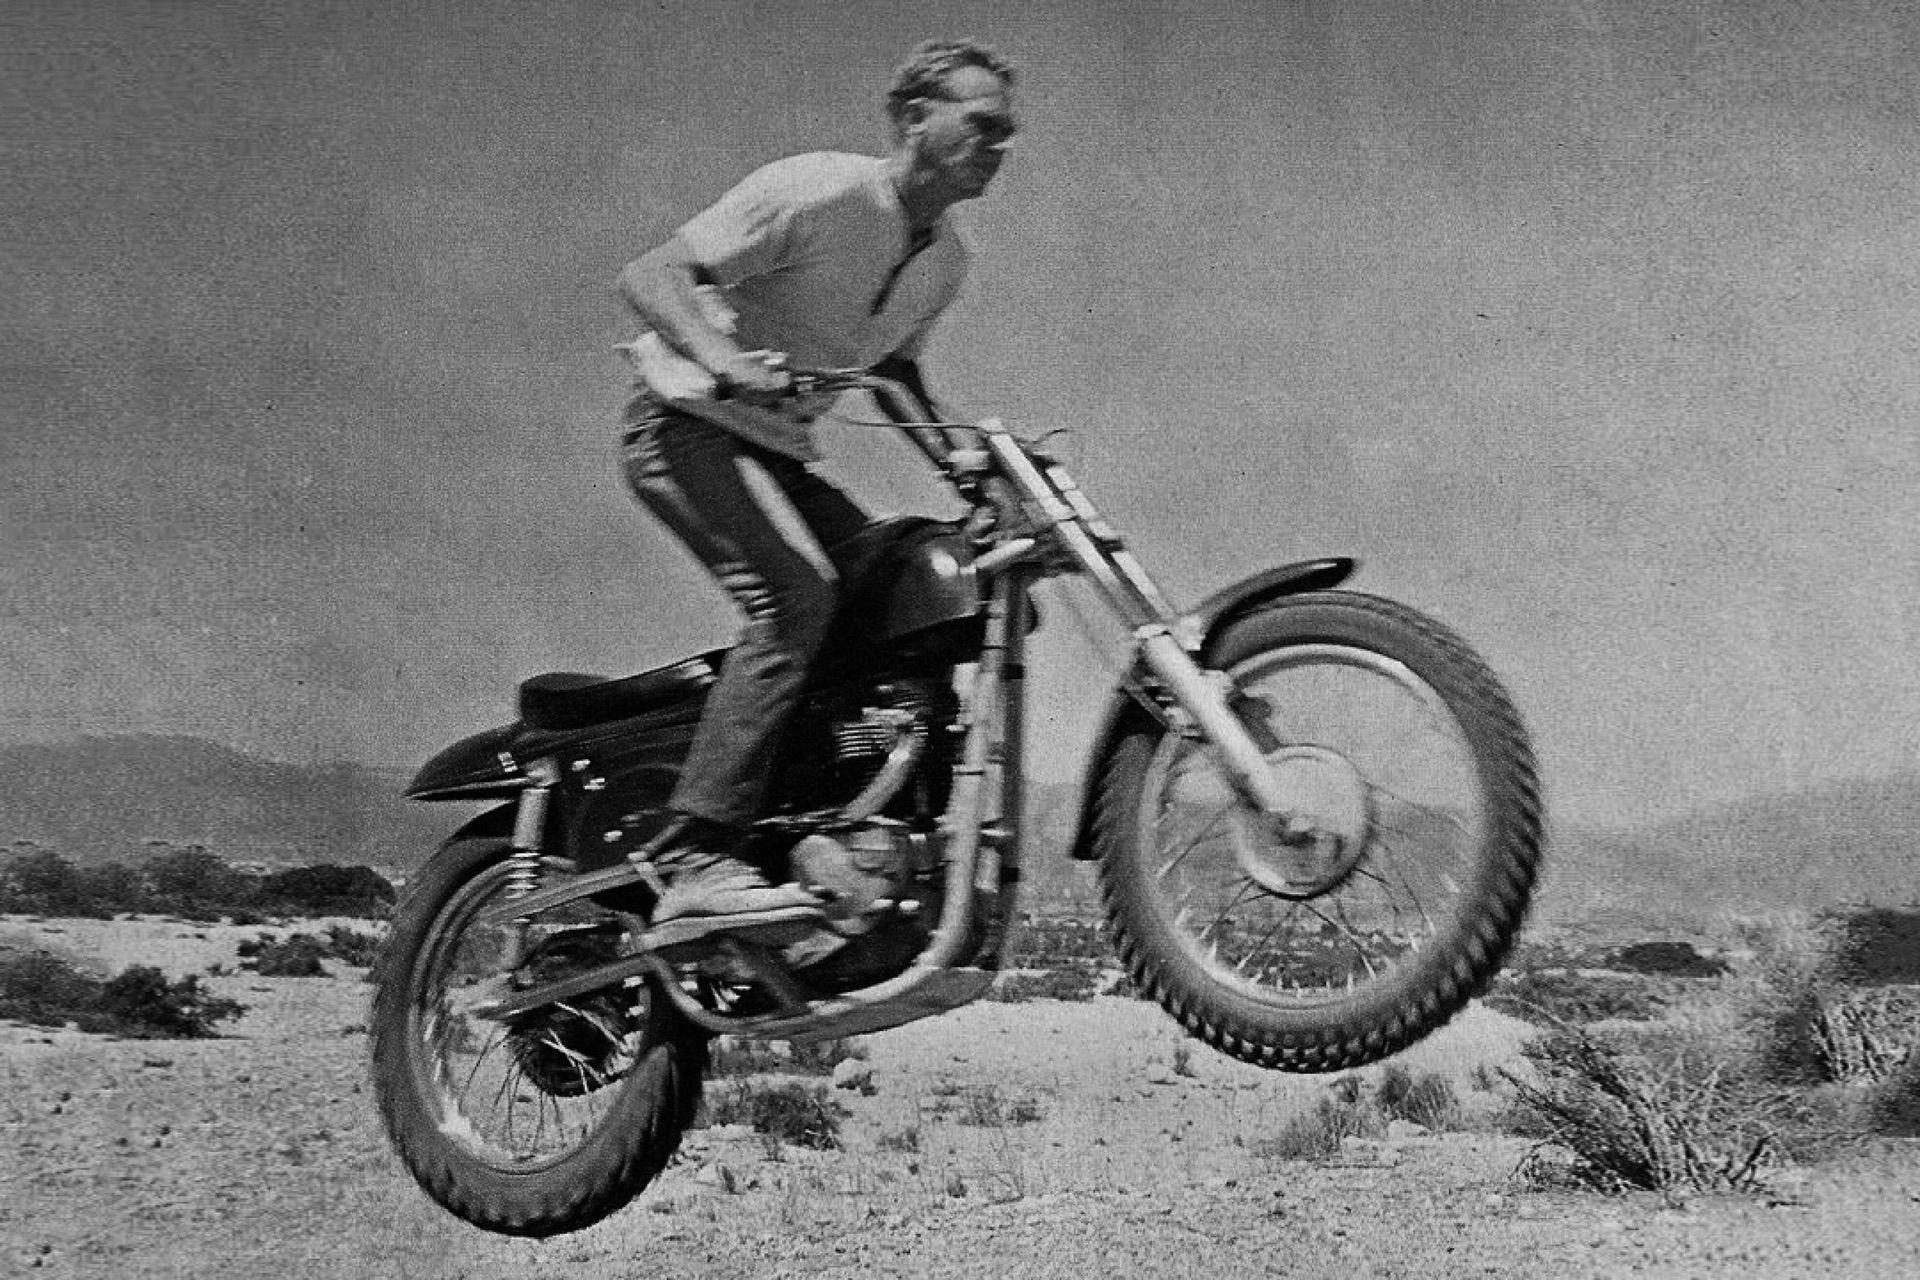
[1329, 957]
[549, 1121]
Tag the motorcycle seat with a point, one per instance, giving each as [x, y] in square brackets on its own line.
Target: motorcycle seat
[562, 700]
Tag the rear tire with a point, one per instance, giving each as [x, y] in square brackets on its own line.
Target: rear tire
[1401, 933]
[534, 1129]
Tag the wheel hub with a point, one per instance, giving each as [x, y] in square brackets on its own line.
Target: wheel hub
[1317, 844]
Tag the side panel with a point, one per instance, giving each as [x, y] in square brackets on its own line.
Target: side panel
[1216, 611]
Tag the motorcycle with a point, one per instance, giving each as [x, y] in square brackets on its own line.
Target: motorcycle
[1313, 813]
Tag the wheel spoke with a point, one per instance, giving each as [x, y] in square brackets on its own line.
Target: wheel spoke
[1395, 735]
[526, 1092]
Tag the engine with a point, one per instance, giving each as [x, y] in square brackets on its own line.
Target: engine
[868, 775]
[884, 748]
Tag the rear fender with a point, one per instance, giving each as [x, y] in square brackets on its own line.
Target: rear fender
[1124, 715]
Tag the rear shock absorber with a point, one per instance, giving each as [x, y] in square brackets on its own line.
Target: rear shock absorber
[529, 833]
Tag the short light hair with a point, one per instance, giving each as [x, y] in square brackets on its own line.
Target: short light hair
[924, 73]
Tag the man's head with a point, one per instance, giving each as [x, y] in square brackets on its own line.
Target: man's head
[952, 110]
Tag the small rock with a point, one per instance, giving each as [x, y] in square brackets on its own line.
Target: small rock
[852, 1073]
[1401, 1130]
[1161, 1073]
[156, 1064]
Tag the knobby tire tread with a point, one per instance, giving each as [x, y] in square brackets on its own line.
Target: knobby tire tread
[604, 1174]
[1341, 1039]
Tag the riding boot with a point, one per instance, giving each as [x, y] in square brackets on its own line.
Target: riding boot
[694, 867]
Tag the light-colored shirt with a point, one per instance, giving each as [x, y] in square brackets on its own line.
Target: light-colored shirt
[813, 257]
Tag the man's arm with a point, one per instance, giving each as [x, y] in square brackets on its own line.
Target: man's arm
[662, 286]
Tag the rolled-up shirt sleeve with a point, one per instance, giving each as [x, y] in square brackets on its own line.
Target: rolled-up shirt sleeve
[745, 233]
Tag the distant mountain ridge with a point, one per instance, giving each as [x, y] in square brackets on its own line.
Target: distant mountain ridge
[1842, 842]
[106, 798]
[99, 799]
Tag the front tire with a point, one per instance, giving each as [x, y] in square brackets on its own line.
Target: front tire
[1396, 934]
[547, 1123]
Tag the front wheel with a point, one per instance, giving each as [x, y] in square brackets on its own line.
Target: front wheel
[546, 1122]
[1397, 927]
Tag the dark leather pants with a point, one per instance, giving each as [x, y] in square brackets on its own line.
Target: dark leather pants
[771, 542]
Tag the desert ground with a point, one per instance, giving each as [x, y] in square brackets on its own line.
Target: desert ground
[259, 1153]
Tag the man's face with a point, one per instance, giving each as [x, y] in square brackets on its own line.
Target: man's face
[965, 131]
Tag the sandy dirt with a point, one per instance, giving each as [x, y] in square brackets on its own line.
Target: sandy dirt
[259, 1154]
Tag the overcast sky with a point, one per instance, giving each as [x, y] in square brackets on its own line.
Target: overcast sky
[1589, 327]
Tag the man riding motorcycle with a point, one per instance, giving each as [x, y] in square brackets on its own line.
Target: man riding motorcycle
[834, 260]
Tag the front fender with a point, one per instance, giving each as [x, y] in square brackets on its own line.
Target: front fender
[1123, 714]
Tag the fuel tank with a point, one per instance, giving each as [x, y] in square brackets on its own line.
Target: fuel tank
[905, 577]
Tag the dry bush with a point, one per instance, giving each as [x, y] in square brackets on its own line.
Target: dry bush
[1427, 1100]
[1894, 1104]
[1784, 972]
[1862, 1037]
[740, 1057]
[790, 1112]
[1630, 1121]
[983, 1106]
[1355, 1109]
[296, 956]
[1878, 944]
[44, 990]
[1795, 1001]
[1318, 1134]
[356, 947]
[1551, 996]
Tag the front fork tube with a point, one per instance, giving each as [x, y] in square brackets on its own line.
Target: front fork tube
[981, 827]
[1207, 698]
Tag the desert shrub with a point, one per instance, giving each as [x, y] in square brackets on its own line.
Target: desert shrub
[296, 956]
[1875, 945]
[194, 882]
[1074, 983]
[740, 1057]
[40, 988]
[142, 997]
[801, 1115]
[1893, 1107]
[820, 1057]
[190, 882]
[352, 946]
[1802, 1019]
[44, 990]
[1427, 1099]
[1344, 1113]
[113, 887]
[1861, 1037]
[328, 889]
[984, 1106]
[42, 882]
[1562, 995]
[1629, 1121]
